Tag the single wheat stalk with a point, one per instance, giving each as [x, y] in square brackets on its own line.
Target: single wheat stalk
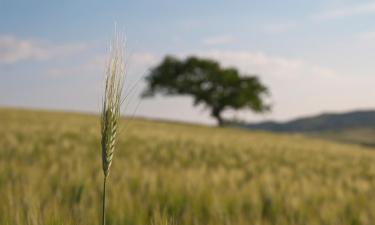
[114, 79]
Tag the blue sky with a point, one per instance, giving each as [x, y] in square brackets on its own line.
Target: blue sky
[315, 56]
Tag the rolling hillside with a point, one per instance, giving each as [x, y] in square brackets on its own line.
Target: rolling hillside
[169, 173]
[353, 127]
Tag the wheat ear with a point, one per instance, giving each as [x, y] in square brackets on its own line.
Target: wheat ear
[114, 79]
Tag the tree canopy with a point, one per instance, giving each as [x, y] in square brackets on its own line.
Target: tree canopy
[209, 84]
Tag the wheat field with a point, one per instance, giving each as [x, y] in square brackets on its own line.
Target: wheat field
[171, 173]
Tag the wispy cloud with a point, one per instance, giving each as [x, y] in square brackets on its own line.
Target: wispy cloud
[274, 66]
[367, 36]
[143, 59]
[88, 66]
[279, 27]
[218, 40]
[347, 11]
[137, 63]
[14, 49]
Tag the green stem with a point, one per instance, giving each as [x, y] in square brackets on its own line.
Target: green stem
[103, 203]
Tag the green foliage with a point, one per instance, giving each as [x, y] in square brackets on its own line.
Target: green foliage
[168, 173]
[204, 79]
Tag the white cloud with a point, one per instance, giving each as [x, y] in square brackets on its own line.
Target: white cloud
[267, 65]
[136, 65]
[279, 27]
[89, 66]
[13, 49]
[359, 9]
[218, 40]
[367, 36]
[143, 58]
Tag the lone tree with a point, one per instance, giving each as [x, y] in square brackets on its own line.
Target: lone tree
[204, 79]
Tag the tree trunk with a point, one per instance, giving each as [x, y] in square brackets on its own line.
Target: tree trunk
[220, 121]
[216, 112]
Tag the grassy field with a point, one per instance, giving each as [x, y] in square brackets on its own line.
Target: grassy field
[360, 136]
[50, 174]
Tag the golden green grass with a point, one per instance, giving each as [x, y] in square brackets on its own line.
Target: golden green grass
[50, 174]
[360, 136]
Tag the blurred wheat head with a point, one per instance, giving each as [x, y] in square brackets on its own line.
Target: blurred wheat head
[114, 79]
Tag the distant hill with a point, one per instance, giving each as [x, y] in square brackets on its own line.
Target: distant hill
[354, 127]
[323, 122]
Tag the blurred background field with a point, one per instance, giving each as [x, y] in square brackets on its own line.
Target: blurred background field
[50, 173]
[291, 85]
